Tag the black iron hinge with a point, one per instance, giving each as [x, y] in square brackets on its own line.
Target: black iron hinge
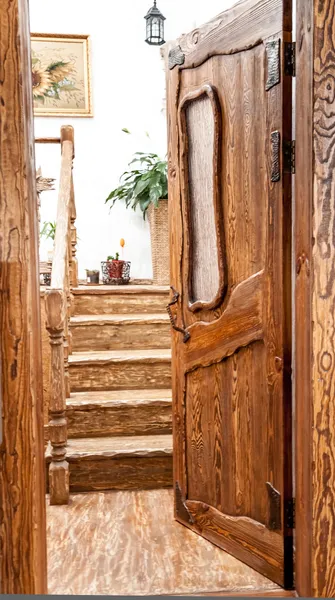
[289, 58]
[289, 156]
[290, 513]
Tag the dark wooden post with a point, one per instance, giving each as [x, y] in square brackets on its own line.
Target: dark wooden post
[315, 299]
[22, 472]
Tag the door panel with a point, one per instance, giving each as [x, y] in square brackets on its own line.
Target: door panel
[229, 114]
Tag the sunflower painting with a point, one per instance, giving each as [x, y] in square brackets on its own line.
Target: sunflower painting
[61, 75]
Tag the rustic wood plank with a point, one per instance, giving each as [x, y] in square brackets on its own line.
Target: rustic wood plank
[127, 331]
[239, 536]
[137, 462]
[120, 370]
[303, 296]
[315, 293]
[239, 325]
[22, 487]
[243, 26]
[162, 557]
[120, 299]
[231, 376]
[122, 412]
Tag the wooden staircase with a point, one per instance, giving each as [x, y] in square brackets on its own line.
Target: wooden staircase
[119, 411]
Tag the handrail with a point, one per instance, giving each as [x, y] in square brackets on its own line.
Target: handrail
[60, 256]
[48, 140]
[58, 299]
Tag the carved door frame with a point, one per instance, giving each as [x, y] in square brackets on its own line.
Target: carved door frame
[23, 568]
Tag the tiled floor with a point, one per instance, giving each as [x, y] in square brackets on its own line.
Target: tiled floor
[126, 543]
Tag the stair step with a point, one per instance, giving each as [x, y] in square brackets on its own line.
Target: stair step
[120, 370]
[117, 413]
[119, 463]
[110, 332]
[107, 299]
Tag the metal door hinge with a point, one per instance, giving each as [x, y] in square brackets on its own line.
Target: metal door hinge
[290, 513]
[289, 156]
[289, 58]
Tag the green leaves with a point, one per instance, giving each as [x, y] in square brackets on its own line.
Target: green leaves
[146, 183]
[48, 230]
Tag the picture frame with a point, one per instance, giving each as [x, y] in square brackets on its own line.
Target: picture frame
[61, 74]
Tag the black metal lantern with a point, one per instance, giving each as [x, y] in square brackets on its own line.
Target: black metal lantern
[155, 26]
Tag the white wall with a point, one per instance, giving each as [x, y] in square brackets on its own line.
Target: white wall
[128, 91]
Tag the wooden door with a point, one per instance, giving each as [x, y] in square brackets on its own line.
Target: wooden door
[229, 118]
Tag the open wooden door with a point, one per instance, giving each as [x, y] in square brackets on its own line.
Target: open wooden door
[230, 150]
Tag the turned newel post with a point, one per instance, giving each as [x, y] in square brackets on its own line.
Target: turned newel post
[59, 467]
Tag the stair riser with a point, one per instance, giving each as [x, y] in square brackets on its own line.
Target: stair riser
[139, 473]
[125, 304]
[125, 335]
[120, 376]
[100, 421]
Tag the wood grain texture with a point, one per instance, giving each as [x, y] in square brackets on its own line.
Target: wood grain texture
[240, 27]
[200, 148]
[120, 299]
[202, 212]
[239, 531]
[120, 370]
[239, 325]
[60, 258]
[46, 358]
[136, 412]
[231, 379]
[160, 557]
[22, 486]
[315, 256]
[303, 297]
[126, 331]
[59, 469]
[137, 462]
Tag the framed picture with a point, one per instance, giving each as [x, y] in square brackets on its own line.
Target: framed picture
[61, 75]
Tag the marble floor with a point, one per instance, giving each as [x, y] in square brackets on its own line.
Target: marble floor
[127, 543]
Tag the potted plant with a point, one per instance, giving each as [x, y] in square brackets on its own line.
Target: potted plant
[145, 185]
[48, 231]
[115, 266]
[92, 276]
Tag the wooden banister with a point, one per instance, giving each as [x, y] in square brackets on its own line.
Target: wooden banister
[48, 140]
[58, 300]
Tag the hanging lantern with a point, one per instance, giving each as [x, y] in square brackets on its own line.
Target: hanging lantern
[155, 26]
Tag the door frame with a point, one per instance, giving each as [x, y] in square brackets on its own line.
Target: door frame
[314, 299]
[23, 568]
[311, 543]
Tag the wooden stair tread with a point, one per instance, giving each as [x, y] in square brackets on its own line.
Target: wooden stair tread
[120, 289]
[98, 448]
[115, 319]
[120, 356]
[113, 399]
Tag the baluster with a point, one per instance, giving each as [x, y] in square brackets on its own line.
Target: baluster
[59, 467]
[69, 295]
[73, 235]
[67, 343]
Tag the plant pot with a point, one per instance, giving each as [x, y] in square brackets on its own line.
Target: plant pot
[115, 268]
[93, 277]
[159, 233]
